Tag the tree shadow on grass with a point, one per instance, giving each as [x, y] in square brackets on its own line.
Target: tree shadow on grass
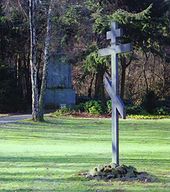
[86, 158]
[52, 159]
[27, 189]
[72, 162]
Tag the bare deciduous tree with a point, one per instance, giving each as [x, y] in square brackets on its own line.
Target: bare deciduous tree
[33, 60]
[38, 99]
[45, 66]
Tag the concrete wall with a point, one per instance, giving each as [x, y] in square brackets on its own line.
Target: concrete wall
[59, 82]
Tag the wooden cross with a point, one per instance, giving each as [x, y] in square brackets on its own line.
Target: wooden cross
[111, 85]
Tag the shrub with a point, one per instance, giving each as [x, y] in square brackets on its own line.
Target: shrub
[62, 111]
[130, 109]
[161, 111]
[135, 110]
[148, 116]
[79, 107]
[93, 107]
[109, 106]
[149, 102]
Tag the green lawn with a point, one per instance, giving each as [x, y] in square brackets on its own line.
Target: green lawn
[48, 156]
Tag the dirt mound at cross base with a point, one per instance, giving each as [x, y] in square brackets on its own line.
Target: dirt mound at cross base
[121, 173]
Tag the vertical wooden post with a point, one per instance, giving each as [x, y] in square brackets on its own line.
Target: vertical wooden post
[112, 85]
[115, 126]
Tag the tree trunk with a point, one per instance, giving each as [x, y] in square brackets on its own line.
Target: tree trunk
[33, 64]
[45, 67]
[144, 73]
[124, 65]
[99, 85]
[90, 87]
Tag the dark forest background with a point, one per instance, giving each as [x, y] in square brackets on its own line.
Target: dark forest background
[79, 29]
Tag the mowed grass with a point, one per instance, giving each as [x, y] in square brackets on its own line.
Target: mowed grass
[49, 156]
